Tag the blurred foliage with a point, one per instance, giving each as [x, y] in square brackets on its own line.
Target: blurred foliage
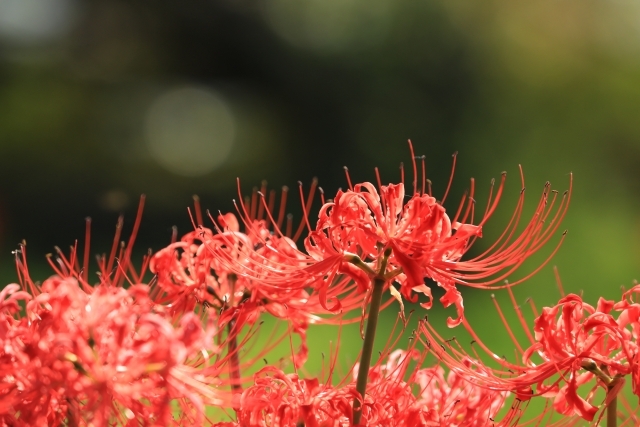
[314, 85]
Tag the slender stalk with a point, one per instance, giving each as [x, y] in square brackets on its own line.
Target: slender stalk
[367, 346]
[232, 342]
[234, 359]
[612, 413]
[612, 387]
[612, 408]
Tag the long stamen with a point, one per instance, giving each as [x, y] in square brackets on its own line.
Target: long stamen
[518, 311]
[114, 246]
[306, 207]
[379, 181]
[346, 172]
[289, 225]
[424, 173]
[126, 258]
[198, 210]
[87, 244]
[453, 169]
[415, 169]
[174, 234]
[460, 207]
[558, 281]
[270, 218]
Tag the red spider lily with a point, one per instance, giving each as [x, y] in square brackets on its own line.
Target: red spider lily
[454, 401]
[265, 254]
[286, 400]
[188, 273]
[364, 228]
[103, 354]
[424, 241]
[436, 399]
[575, 349]
[427, 398]
[574, 336]
[399, 394]
[95, 359]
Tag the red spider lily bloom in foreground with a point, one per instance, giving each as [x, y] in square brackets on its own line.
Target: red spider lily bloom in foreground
[367, 233]
[426, 399]
[101, 358]
[102, 355]
[575, 350]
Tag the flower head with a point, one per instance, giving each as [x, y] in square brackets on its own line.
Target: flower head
[196, 271]
[398, 396]
[103, 354]
[110, 355]
[575, 350]
[367, 232]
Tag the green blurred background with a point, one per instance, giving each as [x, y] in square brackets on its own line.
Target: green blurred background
[101, 101]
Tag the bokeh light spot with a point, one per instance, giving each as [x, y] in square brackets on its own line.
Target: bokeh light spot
[32, 21]
[190, 131]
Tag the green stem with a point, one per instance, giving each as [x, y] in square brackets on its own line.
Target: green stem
[612, 413]
[611, 383]
[232, 342]
[367, 346]
[234, 359]
[612, 408]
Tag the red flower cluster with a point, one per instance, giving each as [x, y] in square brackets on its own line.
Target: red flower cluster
[575, 350]
[81, 355]
[195, 270]
[157, 353]
[426, 399]
[94, 358]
